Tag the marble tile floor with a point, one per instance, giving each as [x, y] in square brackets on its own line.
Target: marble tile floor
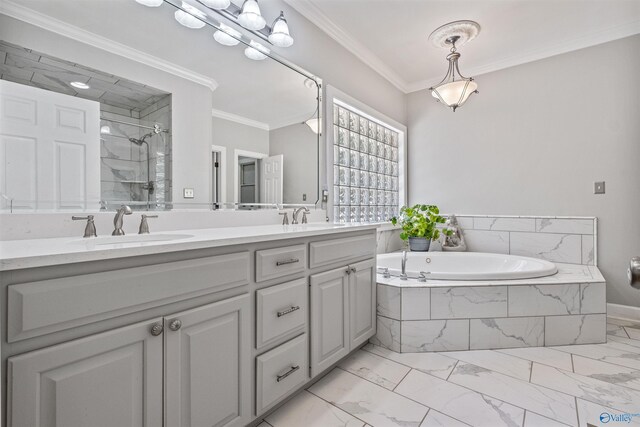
[530, 387]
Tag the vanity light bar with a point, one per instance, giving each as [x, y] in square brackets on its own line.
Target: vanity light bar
[231, 13]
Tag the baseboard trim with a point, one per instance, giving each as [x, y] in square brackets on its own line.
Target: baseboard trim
[620, 311]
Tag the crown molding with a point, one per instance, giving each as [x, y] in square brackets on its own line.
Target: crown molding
[307, 9]
[239, 119]
[322, 21]
[587, 40]
[65, 29]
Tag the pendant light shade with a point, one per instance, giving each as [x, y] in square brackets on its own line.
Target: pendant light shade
[217, 4]
[256, 51]
[250, 16]
[315, 124]
[151, 3]
[280, 32]
[454, 89]
[227, 36]
[190, 17]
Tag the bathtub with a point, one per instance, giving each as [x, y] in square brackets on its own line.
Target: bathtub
[466, 266]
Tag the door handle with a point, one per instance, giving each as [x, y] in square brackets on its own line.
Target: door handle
[633, 272]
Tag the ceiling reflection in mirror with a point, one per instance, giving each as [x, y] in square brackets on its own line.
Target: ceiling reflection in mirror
[109, 140]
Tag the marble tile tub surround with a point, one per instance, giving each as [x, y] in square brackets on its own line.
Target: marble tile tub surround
[530, 387]
[440, 316]
[554, 238]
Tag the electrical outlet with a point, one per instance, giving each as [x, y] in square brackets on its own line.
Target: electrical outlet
[325, 196]
[598, 187]
[187, 193]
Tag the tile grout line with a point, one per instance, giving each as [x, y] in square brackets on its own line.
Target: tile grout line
[405, 376]
[450, 373]
[464, 387]
[335, 406]
[573, 366]
[577, 412]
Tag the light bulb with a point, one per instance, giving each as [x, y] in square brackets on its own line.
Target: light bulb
[256, 51]
[80, 85]
[280, 32]
[250, 16]
[105, 130]
[315, 124]
[225, 36]
[190, 17]
[216, 4]
[150, 3]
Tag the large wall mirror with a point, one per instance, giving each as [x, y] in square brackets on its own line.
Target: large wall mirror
[73, 137]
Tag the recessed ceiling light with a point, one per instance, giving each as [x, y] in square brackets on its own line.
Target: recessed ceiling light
[80, 85]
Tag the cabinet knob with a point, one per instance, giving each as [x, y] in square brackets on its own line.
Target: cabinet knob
[156, 329]
[175, 324]
[353, 269]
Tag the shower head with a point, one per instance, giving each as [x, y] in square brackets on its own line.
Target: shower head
[140, 141]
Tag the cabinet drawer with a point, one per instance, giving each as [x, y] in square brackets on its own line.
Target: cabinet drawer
[42, 307]
[280, 310]
[341, 250]
[278, 262]
[279, 371]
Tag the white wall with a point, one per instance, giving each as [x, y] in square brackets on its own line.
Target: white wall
[236, 136]
[534, 141]
[297, 143]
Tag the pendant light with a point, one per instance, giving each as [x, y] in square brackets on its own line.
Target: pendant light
[216, 4]
[280, 32]
[315, 124]
[454, 89]
[250, 16]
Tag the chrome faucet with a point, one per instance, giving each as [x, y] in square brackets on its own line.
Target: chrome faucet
[403, 273]
[297, 211]
[117, 220]
[90, 228]
[144, 225]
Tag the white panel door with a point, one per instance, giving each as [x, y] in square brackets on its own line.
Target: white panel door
[104, 380]
[362, 301]
[207, 364]
[271, 176]
[49, 149]
[329, 318]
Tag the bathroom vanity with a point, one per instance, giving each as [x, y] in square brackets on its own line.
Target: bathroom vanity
[212, 329]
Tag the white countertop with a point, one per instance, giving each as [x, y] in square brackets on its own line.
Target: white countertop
[19, 254]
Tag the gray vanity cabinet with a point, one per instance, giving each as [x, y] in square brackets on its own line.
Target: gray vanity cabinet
[342, 312]
[117, 378]
[329, 318]
[362, 302]
[104, 380]
[207, 364]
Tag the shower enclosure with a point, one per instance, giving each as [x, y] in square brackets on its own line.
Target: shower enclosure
[135, 164]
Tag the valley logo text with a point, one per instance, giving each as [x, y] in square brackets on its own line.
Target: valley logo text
[606, 417]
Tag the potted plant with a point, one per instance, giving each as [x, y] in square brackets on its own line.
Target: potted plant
[419, 225]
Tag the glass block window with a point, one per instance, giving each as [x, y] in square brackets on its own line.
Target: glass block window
[365, 168]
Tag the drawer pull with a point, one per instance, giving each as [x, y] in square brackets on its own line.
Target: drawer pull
[288, 310]
[288, 261]
[286, 374]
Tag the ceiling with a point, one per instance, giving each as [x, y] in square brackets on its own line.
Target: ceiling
[391, 35]
[263, 93]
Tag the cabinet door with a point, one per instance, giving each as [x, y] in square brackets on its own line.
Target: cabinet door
[207, 365]
[362, 302]
[329, 318]
[109, 379]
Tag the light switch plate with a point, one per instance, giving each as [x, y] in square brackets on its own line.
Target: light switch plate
[598, 187]
[187, 193]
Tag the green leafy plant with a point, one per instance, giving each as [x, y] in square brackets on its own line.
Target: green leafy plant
[420, 221]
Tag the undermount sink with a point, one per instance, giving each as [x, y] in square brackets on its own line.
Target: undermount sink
[132, 239]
